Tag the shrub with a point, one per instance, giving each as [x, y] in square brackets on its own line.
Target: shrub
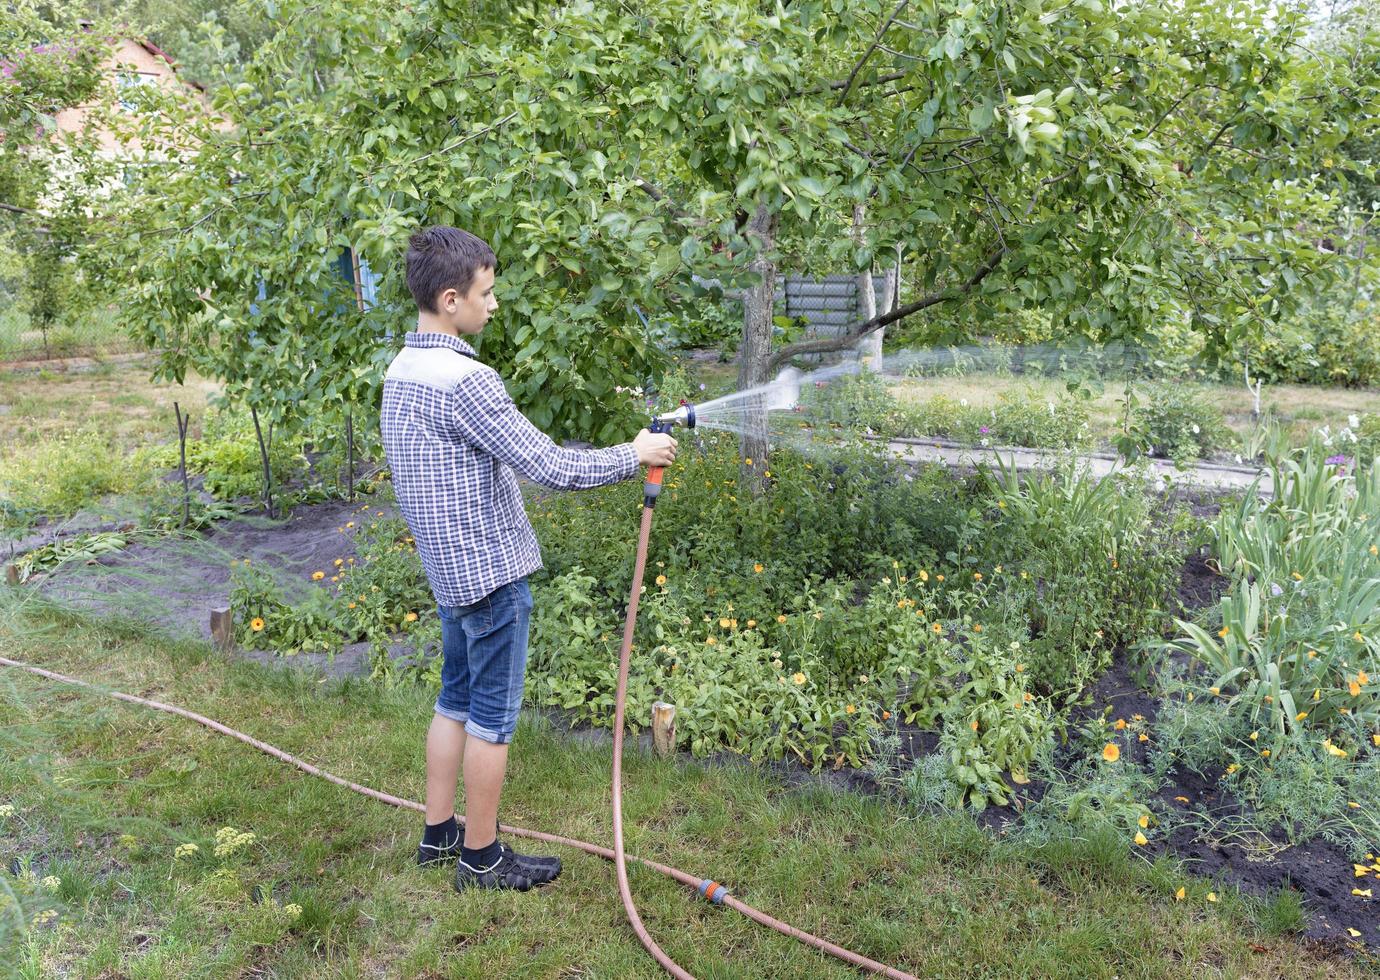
[1171, 422]
[63, 474]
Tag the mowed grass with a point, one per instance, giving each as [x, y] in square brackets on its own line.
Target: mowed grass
[116, 397]
[933, 896]
[1300, 408]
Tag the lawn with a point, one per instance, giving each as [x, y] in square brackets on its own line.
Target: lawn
[103, 793]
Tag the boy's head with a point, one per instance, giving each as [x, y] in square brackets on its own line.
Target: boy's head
[450, 274]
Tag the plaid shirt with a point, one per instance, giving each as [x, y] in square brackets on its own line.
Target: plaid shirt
[453, 438]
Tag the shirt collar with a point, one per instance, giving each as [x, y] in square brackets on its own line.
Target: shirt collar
[431, 338]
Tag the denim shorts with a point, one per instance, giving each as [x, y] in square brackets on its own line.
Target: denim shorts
[484, 660]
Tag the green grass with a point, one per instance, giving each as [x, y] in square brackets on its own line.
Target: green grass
[1300, 408]
[935, 896]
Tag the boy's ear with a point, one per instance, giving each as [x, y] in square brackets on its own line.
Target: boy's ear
[447, 297]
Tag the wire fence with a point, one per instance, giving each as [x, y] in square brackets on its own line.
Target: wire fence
[22, 340]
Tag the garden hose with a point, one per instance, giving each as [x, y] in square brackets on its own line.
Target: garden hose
[710, 889]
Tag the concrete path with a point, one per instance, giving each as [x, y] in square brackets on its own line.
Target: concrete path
[1164, 474]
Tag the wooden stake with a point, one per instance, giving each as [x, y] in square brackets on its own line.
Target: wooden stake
[664, 728]
[12, 575]
[223, 628]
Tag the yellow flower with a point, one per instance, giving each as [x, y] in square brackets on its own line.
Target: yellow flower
[997, 570]
[819, 615]
[1317, 693]
[710, 641]
[924, 575]
[973, 725]
[977, 627]
[1354, 805]
[349, 523]
[1179, 895]
[723, 622]
[1120, 724]
[937, 628]
[781, 618]
[1212, 896]
[1374, 550]
[353, 604]
[256, 624]
[1141, 838]
[338, 562]
[335, 578]
[1300, 716]
[757, 568]
[977, 576]
[1214, 690]
[410, 618]
[1144, 821]
[1375, 740]
[1020, 668]
[1361, 892]
[317, 576]
[661, 580]
[939, 578]
[1222, 631]
[1144, 737]
[849, 709]
[748, 461]
[798, 677]
[752, 623]
[1362, 677]
[1358, 637]
[1264, 753]
[886, 715]
[1112, 752]
[1232, 768]
[1253, 736]
[1333, 750]
[1312, 654]
[1297, 576]
[1354, 688]
[1001, 505]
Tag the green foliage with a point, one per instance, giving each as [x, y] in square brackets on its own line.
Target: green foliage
[78, 548]
[1172, 422]
[64, 474]
[1286, 665]
[1331, 343]
[1089, 565]
[1104, 201]
[227, 456]
[708, 324]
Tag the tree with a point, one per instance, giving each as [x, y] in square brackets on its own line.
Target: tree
[1113, 167]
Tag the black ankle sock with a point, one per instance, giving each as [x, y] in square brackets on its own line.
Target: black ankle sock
[444, 834]
[482, 857]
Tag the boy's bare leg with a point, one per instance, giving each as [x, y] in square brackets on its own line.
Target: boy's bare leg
[485, 765]
[445, 748]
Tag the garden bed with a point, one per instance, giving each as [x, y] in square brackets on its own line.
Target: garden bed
[173, 583]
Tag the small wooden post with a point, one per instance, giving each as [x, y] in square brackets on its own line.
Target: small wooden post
[223, 628]
[664, 728]
[12, 575]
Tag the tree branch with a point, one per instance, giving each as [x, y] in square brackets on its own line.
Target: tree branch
[881, 31]
[826, 345]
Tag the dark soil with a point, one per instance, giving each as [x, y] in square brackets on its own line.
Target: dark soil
[175, 583]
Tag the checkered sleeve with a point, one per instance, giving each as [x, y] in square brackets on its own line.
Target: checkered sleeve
[485, 416]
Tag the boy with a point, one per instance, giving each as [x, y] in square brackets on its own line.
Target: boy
[453, 439]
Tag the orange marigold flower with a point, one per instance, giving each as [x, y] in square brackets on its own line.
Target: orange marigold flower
[1112, 752]
[256, 624]
[798, 677]
[317, 576]
[781, 618]
[757, 568]
[410, 618]
[661, 580]
[849, 709]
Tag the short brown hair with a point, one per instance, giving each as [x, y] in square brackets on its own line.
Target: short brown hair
[441, 257]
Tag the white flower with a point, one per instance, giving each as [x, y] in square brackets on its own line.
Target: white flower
[1275, 589]
[1195, 428]
[1325, 434]
[1353, 421]
[963, 402]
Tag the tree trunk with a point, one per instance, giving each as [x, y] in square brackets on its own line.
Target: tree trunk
[756, 346]
[870, 347]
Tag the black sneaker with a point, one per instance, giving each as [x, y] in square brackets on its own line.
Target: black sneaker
[546, 868]
[507, 872]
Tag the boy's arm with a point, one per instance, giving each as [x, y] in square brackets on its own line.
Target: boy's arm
[485, 416]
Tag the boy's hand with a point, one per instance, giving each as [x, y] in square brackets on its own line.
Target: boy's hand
[654, 448]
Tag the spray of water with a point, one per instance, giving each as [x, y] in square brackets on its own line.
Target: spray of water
[779, 400]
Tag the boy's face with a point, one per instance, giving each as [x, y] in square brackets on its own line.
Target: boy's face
[468, 314]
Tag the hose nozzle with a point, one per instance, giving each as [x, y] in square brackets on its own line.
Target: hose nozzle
[685, 415]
